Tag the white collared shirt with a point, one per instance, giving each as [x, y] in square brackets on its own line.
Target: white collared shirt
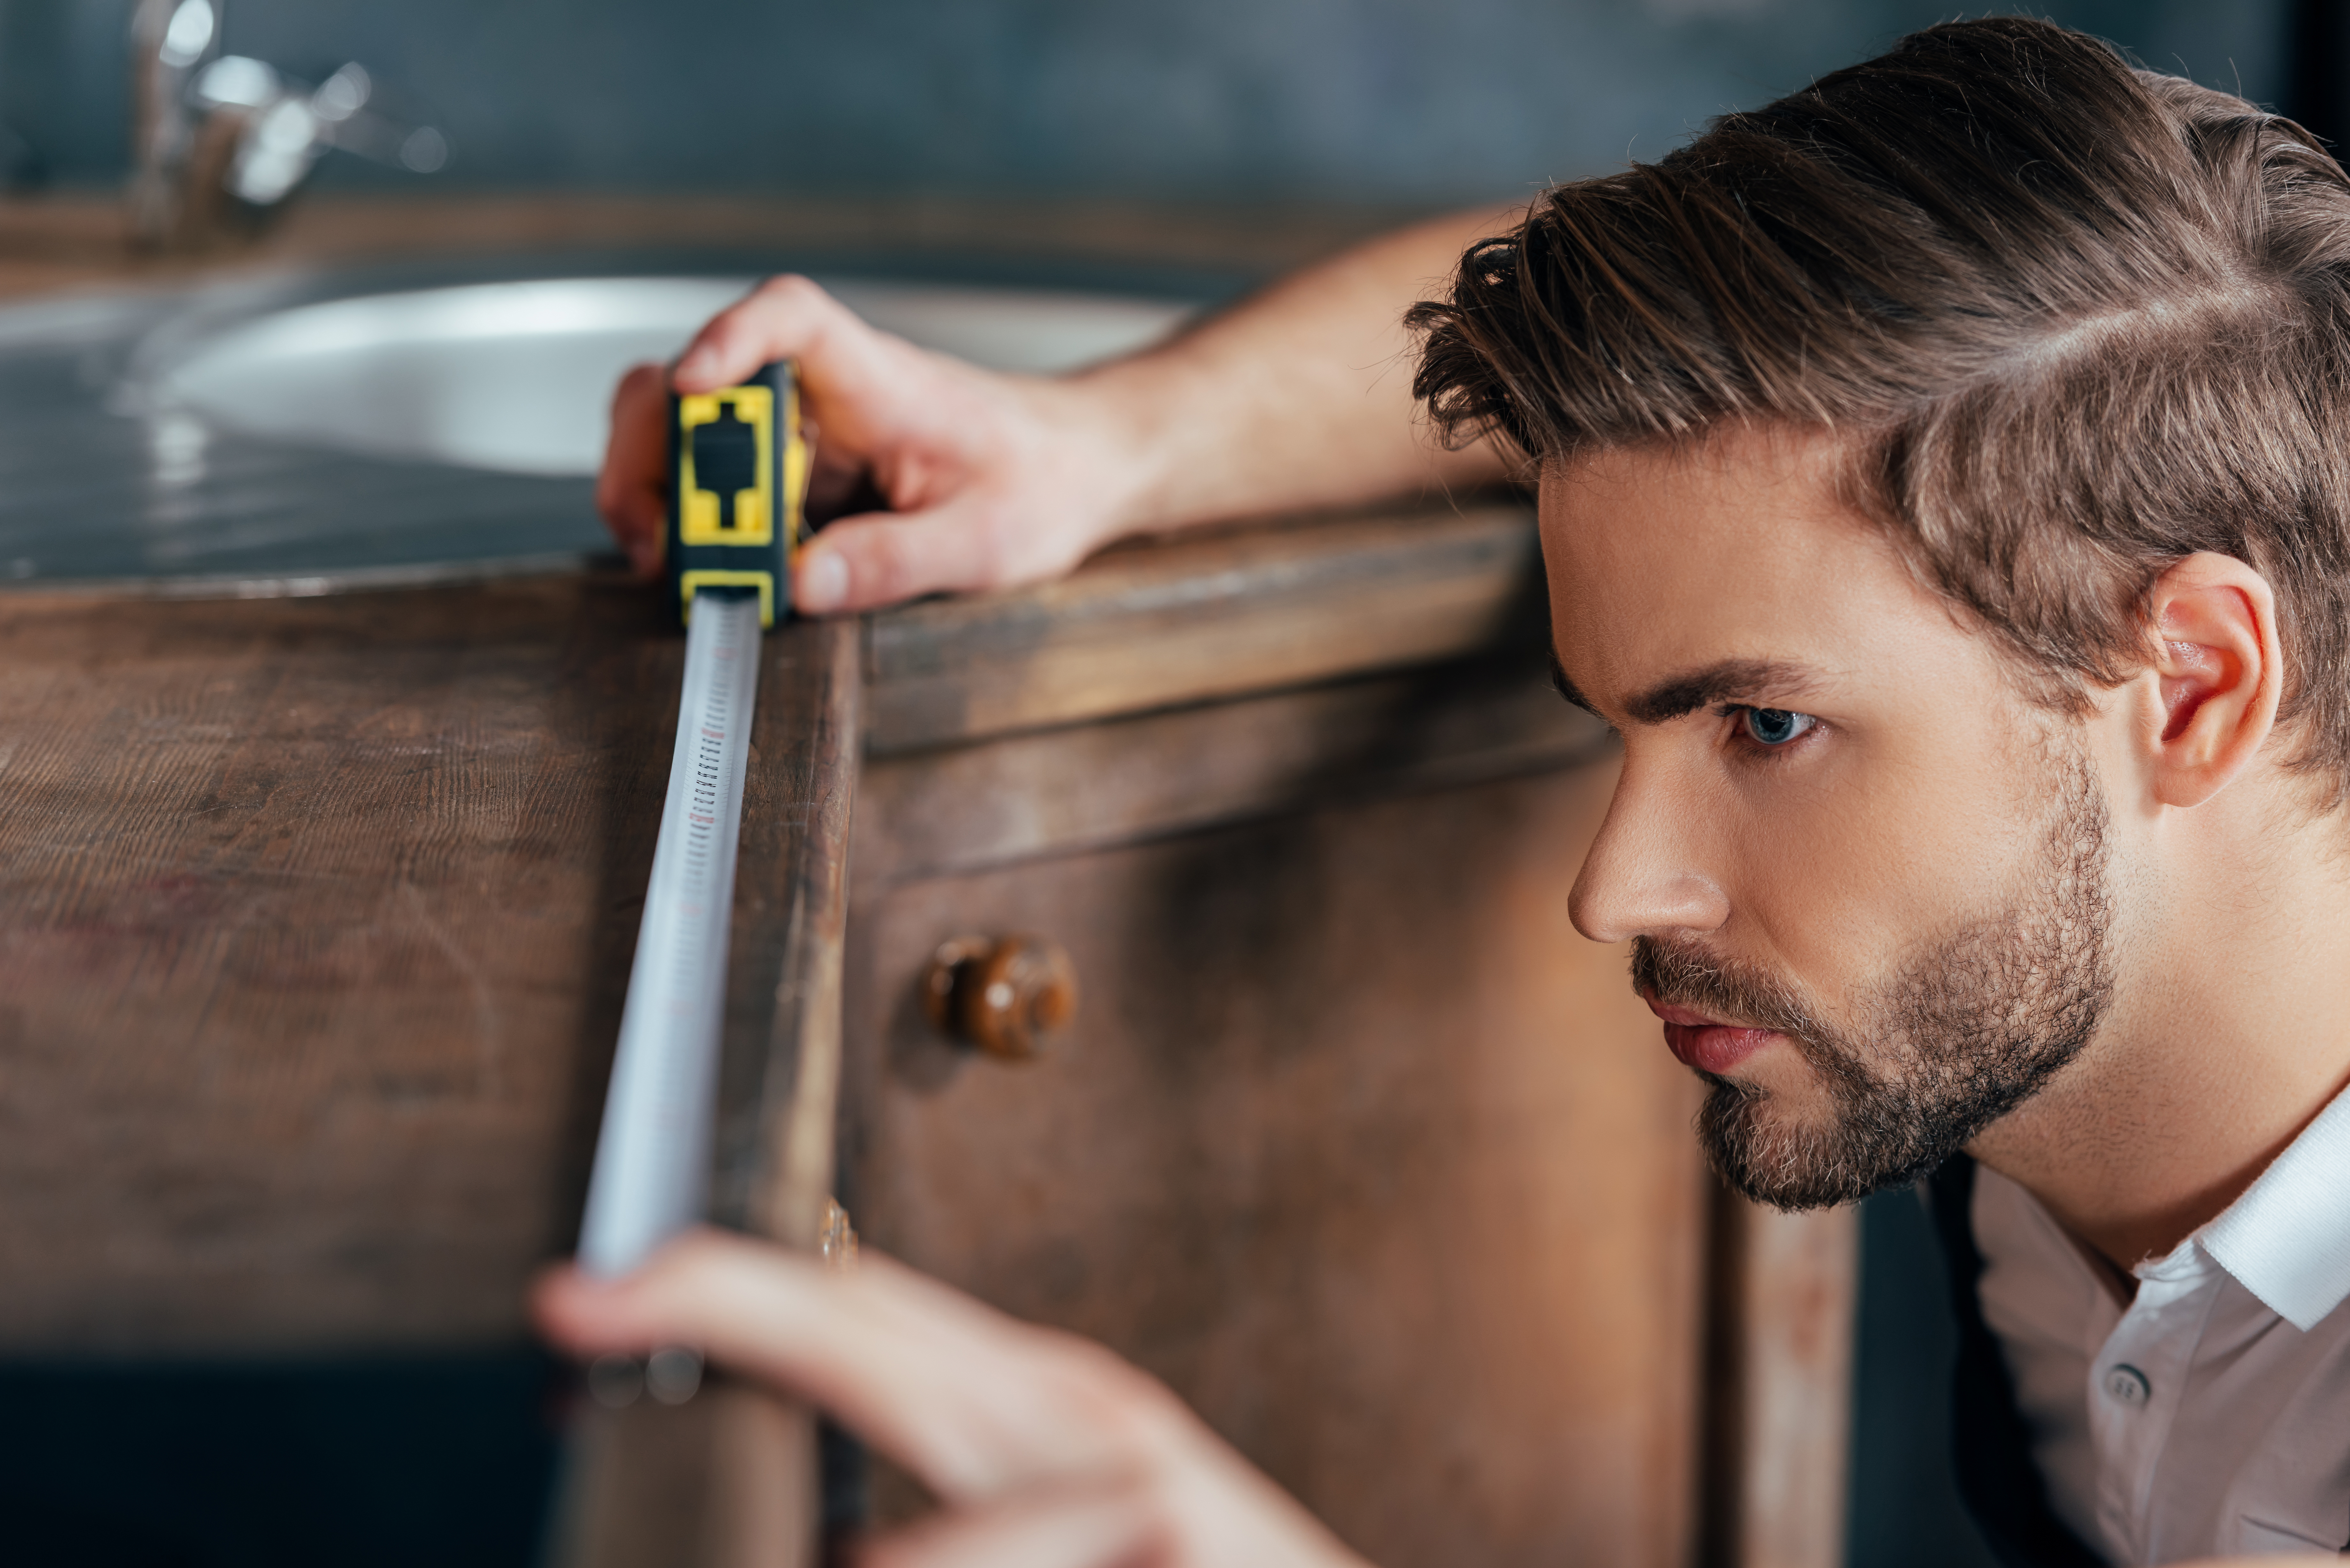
[2211, 1416]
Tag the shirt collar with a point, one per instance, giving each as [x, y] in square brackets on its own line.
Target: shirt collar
[2287, 1238]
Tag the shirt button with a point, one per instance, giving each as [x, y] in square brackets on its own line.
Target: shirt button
[2128, 1385]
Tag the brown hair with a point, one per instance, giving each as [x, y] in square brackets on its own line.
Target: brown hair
[2077, 321]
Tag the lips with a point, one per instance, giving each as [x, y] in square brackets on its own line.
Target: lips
[1705, 1044]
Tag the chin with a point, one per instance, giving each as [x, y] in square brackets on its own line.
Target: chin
[1780, 1152]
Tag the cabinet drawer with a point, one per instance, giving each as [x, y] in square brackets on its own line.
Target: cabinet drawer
[1353, 1141]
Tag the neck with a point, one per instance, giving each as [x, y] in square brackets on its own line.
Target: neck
[2230, 1031]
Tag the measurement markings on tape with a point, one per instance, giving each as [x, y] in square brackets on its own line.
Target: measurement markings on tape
[738, 465]
[653, 1154]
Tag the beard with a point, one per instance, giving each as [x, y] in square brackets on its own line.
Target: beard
[1962, 1033]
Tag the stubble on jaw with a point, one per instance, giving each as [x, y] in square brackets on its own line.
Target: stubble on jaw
[1961, 1032]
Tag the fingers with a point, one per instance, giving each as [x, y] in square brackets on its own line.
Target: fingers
[974, 543]
[790, 317]
[970, 1401]
[843, 361]
[1049, 1452]
[631, 491]
[989, 481]
[1093, 1523]
[881, 558]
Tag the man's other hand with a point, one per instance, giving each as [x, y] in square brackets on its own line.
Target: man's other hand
[933, 475]
[1043, 1449]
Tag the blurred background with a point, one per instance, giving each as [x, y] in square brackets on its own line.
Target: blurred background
[1379, 103]
[1318, 118]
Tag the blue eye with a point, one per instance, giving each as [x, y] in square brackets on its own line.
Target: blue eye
[1777, 726]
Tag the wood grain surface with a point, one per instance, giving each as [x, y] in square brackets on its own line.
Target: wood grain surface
[1194, 619]
[1781, 1381]
[315, 922]
[1180, 770]
[1353, 1141]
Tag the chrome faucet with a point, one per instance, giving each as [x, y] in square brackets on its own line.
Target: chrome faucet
[221, 141]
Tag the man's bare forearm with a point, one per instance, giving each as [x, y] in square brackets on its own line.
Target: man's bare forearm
[1299, 396]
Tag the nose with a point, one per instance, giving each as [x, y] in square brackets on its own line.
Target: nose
[1642, 876]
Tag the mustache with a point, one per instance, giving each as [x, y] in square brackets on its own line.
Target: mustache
[1684, 975]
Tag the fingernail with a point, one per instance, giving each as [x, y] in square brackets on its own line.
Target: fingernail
[694, 364]
[822, 582]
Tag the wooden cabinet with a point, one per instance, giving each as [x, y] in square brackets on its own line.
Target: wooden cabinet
[315, 923]
[315, 914]
[1351, 1143]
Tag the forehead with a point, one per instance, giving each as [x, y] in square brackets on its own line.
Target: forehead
[1666, 560]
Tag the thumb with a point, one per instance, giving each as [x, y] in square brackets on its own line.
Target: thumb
[880, 558]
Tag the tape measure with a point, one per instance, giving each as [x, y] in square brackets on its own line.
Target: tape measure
[740, 472]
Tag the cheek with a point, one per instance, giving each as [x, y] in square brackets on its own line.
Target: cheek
[1841, 874]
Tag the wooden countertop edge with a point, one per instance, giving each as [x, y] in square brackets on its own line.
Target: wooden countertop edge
[1290, 603]
[1255, 606]
[779, 1076]
[790, 1202]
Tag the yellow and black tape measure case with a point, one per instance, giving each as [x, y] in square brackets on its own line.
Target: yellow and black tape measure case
[738, 472]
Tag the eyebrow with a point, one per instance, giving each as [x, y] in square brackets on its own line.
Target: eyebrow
[1730, 680]
[1568, 689]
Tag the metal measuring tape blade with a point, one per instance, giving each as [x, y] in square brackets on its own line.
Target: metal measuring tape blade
[740, 469]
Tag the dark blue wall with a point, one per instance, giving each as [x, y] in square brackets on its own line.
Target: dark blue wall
[1387, 101]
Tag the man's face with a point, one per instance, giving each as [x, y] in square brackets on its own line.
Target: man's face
[1865, 879]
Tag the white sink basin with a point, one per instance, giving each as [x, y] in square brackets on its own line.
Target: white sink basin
[516, 377]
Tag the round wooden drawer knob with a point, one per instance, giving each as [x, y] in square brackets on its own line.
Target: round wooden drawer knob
[1000, 994]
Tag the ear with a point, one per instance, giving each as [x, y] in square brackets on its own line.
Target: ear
[2219, 672]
